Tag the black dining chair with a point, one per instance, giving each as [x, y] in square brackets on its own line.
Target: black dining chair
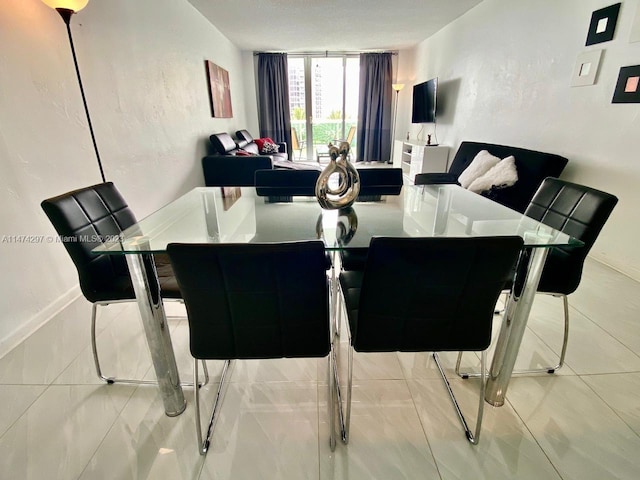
[576, 210]
[86, 218]
[282, 185]
[441, 298]
[254, 301]
[374, 182]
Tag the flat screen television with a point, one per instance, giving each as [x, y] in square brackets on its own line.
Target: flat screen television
[424, 102]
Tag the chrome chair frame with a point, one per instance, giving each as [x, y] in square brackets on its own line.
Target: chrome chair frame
[182, 259]
[205, 442]
[344, 418]
[363, 308]
[550, 369]
[112, 380]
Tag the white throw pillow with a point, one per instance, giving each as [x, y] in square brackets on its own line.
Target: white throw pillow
[503, 174]
[480, 165]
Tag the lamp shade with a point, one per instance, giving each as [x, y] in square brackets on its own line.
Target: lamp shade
[73, 5]
[397, 86]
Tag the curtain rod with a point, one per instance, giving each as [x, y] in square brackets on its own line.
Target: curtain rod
[326, 53]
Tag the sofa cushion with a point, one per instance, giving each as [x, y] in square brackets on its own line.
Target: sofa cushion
[288, 164]
[262, 145]
[251, 148]
[480, 165]
[222, 143]
[244, 135]
[241, 143]
[501, 175]
[269, 148]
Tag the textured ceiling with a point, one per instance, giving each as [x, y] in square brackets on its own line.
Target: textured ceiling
[334, 25]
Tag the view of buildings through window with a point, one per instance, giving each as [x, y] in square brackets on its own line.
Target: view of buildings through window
[332, 101]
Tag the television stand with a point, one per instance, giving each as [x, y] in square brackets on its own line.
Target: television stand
[414, 157]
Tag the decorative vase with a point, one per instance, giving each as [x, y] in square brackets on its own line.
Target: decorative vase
[346, 226]
[348, 180]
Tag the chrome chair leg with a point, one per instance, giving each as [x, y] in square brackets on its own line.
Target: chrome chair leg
[344, 418]
[112, 380]
[331, 399]
[565, 341]
[472, 437]
[349, 391]
[203, 445]
[549, 369]
[339, 309]
[500, 311]
[335, 296]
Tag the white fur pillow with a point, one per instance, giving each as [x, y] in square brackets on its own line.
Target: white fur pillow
[503, 174]
[480, 165]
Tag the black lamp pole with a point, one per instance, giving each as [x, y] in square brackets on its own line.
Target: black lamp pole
[393, 131]
[66, 14]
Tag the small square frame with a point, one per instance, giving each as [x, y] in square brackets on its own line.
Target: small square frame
[634, 36]
[603, 24]
[586, 68]
[628, 85]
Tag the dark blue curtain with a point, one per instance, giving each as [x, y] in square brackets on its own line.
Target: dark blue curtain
[273, 98]
[374, 107]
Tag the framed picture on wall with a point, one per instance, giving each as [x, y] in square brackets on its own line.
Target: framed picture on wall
[230, 195]
[219, 92]
[603, 24]
[628, 85]
[586, 68]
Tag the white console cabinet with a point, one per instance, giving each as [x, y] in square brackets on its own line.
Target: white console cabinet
[414, 157]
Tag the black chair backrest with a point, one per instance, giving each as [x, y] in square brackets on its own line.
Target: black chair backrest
[532, 166]
[578, 211]
[254, 300]
[380, 181]
[282, 182]
[232, 171]
[83, 219]
[432, 294]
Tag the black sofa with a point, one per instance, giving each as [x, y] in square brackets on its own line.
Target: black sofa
[532, 166]
[228, 164]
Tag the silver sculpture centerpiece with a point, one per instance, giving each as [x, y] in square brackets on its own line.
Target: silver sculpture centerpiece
[348, 182]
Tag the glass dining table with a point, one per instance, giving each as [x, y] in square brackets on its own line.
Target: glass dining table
[239, 215]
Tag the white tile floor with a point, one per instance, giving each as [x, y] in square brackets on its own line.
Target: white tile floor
[58, 421]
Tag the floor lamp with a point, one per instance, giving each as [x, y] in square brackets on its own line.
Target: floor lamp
[66, 8]
[396, 87]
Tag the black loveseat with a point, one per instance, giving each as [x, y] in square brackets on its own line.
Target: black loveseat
[234, 162]
[532, 166]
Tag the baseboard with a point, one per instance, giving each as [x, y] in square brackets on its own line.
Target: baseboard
[625, 270]
[38, 320]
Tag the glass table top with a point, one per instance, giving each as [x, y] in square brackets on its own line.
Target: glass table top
[238, 215]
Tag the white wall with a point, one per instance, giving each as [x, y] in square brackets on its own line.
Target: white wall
[504, 72]
[142, 64]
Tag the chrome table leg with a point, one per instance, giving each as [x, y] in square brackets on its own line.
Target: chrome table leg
[513, 326]
[157, 332]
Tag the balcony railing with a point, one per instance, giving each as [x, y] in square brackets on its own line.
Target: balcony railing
[324, 131]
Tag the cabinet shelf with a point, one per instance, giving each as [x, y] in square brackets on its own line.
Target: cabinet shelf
[414, 158]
